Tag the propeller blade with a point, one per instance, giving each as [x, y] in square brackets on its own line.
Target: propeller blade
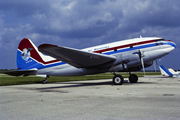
[142, 62]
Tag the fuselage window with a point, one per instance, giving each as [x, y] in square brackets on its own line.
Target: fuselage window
[157, 44]
[115, 50]
[131, 46]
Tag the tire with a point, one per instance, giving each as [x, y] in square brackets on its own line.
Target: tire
[118, 80]
[133, 78]
[44, 81]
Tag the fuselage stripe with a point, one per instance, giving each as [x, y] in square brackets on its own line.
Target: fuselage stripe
[124, 46]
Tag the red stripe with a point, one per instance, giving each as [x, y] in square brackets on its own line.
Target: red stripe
[124, 46]
[169, 40]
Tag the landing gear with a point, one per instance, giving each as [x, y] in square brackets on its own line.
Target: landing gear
[118, 79]
[133, 78]
[44, 81]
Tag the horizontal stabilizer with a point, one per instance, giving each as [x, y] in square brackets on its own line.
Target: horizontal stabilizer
[22, 72]
[75, 57]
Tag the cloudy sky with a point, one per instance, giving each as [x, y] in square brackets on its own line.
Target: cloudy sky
[85, 23]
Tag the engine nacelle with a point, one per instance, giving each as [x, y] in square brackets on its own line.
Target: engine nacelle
[130, 61]
[126, 67]
[119, 67]
[127, 57]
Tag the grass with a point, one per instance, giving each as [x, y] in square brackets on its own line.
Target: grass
[10, 80]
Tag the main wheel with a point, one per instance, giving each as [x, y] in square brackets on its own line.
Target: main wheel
[133, 78]
[118, 80]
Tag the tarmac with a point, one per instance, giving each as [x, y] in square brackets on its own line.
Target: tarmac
[152, 98]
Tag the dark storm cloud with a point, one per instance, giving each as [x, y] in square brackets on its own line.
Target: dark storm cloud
[24, 8]
[83, 23]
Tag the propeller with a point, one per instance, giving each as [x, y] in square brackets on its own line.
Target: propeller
[141, 55]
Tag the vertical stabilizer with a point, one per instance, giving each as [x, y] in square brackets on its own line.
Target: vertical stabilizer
[28, 56]
[172, 71]
[164, 71]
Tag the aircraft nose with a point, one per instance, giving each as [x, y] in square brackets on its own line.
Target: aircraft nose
[172, 44]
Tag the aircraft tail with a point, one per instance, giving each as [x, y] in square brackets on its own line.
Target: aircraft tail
[172, 71]
[29, 58]
[164, 71]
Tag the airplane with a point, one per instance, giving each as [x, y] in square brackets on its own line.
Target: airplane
[168, 72]
[121, 56]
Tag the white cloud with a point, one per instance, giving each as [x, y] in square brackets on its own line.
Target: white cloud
[11, 35]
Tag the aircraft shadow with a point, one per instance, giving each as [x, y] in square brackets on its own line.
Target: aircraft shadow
[74, 84]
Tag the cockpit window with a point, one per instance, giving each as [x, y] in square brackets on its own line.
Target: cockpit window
[159, 42]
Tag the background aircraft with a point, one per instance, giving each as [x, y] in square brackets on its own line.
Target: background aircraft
[122, 56]
[168, 72]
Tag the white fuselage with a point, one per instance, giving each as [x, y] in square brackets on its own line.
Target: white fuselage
[127, 53]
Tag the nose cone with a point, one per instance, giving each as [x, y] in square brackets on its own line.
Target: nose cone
[172, 46]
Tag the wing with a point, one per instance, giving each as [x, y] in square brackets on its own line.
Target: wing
[74, 57]
[21, 72]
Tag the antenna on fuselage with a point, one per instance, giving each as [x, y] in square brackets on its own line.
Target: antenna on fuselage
[140, 36]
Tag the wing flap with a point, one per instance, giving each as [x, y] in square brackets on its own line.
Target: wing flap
[75, 57]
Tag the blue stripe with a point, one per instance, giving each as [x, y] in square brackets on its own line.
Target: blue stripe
[170, 43]
[52, 65]
[130, 49]
[41, 66]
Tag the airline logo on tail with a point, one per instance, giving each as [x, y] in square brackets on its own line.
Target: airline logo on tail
[26, 54]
